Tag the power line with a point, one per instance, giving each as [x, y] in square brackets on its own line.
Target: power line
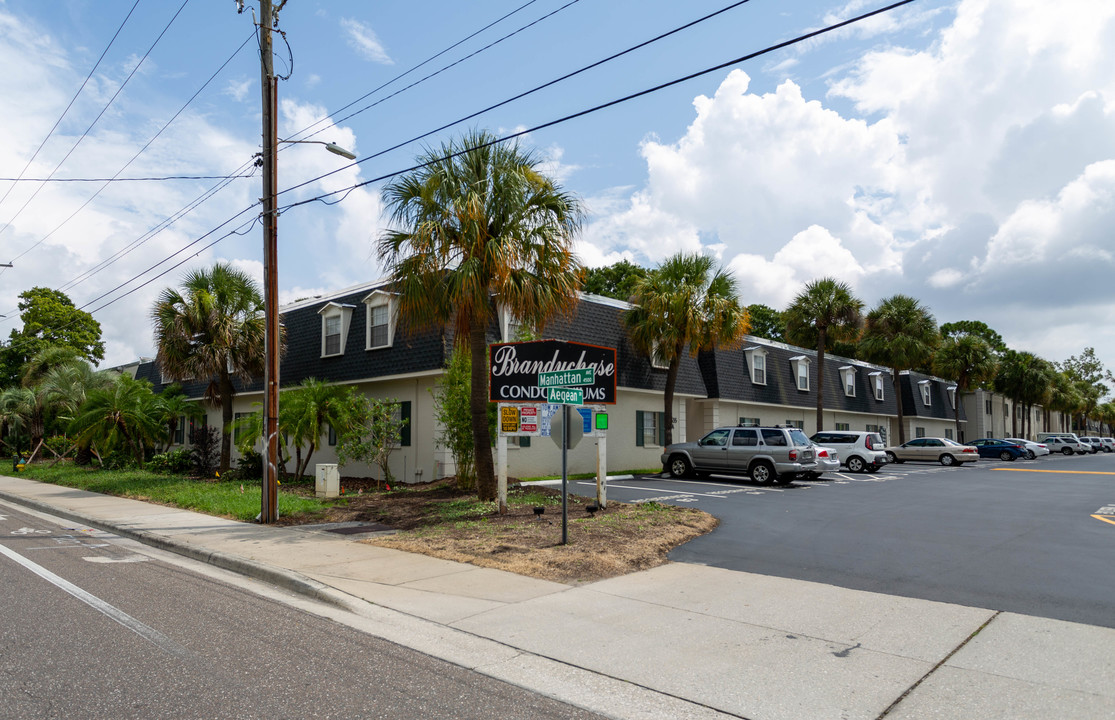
[140, 152]
[90, 128]
[450, 65]
[127, 179]
[533, 90]
[597, 108]
[71, 104]
[415, 67]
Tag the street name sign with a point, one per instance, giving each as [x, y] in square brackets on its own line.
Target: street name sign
[566, 396]
[564, 378]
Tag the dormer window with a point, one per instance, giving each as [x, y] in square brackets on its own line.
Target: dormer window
[800, 365]
[926, 393]
[509, 325]
[848, 376]
[656, 360]
[335, 320]
[757, 364]
[379, 326]
[952, 396]
[877, 382]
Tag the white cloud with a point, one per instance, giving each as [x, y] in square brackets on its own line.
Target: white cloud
[364, 40]
[238, 89]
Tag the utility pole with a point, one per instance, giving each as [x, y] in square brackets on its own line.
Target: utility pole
[269, 512]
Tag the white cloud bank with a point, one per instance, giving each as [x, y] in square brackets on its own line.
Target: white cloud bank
[977, 174]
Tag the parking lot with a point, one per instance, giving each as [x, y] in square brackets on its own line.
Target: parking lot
[1030, 536]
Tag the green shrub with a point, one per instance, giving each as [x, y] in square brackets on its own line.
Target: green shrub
[248, 467]
[173, 462]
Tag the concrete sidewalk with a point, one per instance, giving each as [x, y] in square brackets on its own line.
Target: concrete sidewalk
[678, 641]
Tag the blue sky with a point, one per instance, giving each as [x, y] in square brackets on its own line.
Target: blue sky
[960, 152]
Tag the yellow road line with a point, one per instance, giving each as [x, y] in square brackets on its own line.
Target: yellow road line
[1105, 519]
[1070, 472]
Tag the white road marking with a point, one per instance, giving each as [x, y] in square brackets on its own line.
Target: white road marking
[677, 492]
[146, 632]
[129, 559]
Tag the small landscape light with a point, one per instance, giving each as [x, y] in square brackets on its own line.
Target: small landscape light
[592, 509]
[539, 510]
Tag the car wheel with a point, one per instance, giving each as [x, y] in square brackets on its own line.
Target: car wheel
[1030, 454]
[787, 478]
[761, 473]
[679, 466]
[892, 458]
[855, 464]
[947, 460]
[1006, 455]
[1066, 451]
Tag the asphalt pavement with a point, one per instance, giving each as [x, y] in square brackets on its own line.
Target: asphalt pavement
[679, 641]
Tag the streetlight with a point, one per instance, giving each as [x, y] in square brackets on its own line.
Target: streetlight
[331, 147]
[269, 512]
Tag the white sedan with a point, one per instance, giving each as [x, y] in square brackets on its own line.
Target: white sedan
[1033, 449]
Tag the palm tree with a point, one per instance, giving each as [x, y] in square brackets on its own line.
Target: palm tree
[824, 313]
[1025, 378]
[685, 302]
[900, 333]
[477, 219]
[968, 360]
[306, 411]
[173, 405]
[212, 329]
[125, 414]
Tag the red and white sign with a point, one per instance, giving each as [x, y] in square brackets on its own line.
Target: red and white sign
[528, 419]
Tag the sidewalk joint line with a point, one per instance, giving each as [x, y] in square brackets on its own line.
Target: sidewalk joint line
[934, 669]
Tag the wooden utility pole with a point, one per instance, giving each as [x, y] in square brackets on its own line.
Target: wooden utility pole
[269, 512]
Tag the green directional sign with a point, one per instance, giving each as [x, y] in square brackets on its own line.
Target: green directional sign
[562, 378]
[566, 396]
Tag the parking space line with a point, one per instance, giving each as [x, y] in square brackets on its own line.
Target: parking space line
[1071, 472]
[664, 490]
[1109, 520]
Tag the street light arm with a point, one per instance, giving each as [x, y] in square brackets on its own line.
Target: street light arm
[331, 147]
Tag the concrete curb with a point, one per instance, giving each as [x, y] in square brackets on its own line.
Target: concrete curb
[279, 577]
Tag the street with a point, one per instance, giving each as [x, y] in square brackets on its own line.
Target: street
[1026, 536]
[100, 627]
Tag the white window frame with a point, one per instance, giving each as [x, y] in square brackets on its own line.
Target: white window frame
[880, 387]
[926, 393]
[344, 314]
[848, 379]
[654, 361]
[952, 395]
[377, 299]
[756, 364]
[750, 422]
[508, 325]
[800, 364]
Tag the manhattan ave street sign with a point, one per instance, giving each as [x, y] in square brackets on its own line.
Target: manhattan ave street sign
[564, 378]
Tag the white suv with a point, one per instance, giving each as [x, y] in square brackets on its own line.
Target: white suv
[859, 451]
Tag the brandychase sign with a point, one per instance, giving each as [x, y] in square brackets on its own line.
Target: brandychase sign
[515, 369]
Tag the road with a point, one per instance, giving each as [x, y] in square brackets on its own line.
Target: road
[95, 626]
[1034, 537]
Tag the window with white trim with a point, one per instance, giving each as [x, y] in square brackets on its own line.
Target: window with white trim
[879, 387]
[799, 424]
[801, 371]
[881, 429]
[952, 396]
[509, 325]
[848, 377]
[926, 393]
[655, 360]
[919, 432]
[335, 320]
[843, 426]
[750, 422]
[948, 434]
[379, 323]
[650, 428]
[756, 364]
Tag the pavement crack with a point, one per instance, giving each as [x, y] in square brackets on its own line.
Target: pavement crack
[898, 700]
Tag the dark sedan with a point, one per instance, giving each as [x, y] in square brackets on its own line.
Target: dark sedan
[992, 448]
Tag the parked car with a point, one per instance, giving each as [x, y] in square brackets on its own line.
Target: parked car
[930, 449]
[859, 451]
[828, 460]
[995, 448]
[1096, 443]
[765, 454]
[1065, 445]
[1108, 444]
[1033, 449]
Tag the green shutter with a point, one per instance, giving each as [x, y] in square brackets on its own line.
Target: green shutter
[638, 428]
[524, 441]
[661, 429]
[404, 416]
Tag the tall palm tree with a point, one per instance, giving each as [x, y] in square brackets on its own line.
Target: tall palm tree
[212, 329]
[900, 333]
[476, 219]
[306, 411]
[686, 302]
[1025, 378]
[968, 360]
[823, 313]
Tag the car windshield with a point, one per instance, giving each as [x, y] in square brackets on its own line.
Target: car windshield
[799, 438]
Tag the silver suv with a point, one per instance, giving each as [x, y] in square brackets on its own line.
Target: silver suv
[765, 454]
[859, 451]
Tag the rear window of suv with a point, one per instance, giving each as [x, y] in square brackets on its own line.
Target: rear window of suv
[799, 438]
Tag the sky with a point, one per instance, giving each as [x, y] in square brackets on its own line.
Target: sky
[959, 152]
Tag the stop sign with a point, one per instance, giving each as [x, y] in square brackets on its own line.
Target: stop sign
[576, 427]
